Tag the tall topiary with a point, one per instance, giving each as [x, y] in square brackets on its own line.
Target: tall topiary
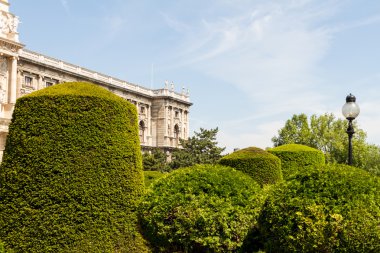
[262, 166]
[333, 208]
[72, 174]
[296, 156]
[204, 208]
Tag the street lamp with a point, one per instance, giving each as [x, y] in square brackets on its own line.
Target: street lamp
[350, 111]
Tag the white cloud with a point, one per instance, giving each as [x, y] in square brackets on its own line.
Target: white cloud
[270, 52]
[260, 137]
[65, 5]
[174, 23]
[113, 25]
[355, 24]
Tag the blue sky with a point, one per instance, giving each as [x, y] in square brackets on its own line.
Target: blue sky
[249, 65]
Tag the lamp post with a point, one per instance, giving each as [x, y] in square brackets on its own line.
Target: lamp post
[350, 111]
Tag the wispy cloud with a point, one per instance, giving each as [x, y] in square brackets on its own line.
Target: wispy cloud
[260, 137]
[355, 24]
[174, 24]
[113, 25]
[65, 5]
[270, 52]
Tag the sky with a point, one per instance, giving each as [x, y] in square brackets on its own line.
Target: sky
[249, 64]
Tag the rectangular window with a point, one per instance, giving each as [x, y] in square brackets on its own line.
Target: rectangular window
[28, 81]
[49, 84]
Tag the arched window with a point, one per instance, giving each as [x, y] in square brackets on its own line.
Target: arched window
[142, 131]
[176, 134]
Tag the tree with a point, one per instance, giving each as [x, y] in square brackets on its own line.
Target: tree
[155, 161]
[200, 149]
[296, 130]
[372, 159]
[327, 134]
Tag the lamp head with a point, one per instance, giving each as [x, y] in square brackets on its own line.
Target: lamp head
[350, 109]
[350, 98]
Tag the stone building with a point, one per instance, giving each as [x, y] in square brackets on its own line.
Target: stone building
[163, 113]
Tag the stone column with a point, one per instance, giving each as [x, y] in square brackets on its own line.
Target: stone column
[40, 83]
[12, 88]
[149, 126]
[172, 113]
[13, 81]
[186, 115]
[19, 83]
[183, 125]
[165, 126]
[166, 108]
[172, 140]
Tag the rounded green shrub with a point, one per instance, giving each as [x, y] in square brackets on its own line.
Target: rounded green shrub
[262, 166]
[204, 208]
[71, 177]
[333, 208]
[295, 156]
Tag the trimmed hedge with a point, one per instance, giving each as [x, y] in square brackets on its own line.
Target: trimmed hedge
[72, 175]
[150, 176]
[333, 208]
[295, 156]
[2, 247]
[204, 208]
[262, 166]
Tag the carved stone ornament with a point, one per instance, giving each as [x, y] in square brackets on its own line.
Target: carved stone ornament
[8, 23]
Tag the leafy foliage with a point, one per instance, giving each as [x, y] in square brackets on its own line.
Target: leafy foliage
[333, 208]
[200, 149]
[328, 134]
[2, 247]
[371, 158]
[204, 208]
[296, 156]
[151, 176]
[296, 130]
[155, 161]
[262, 166]
[71, 175]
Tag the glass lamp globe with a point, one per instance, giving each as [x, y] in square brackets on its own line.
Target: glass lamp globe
[350, 109]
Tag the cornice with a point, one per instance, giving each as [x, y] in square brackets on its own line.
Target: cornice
[11, 46]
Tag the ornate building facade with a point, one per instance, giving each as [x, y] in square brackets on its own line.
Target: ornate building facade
[163, 114]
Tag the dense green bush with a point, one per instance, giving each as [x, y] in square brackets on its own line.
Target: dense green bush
[151, 176]
[295, 156]
[205, 208]
[262, 166]
[72, 175]
[155, 160]
[332, 208]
